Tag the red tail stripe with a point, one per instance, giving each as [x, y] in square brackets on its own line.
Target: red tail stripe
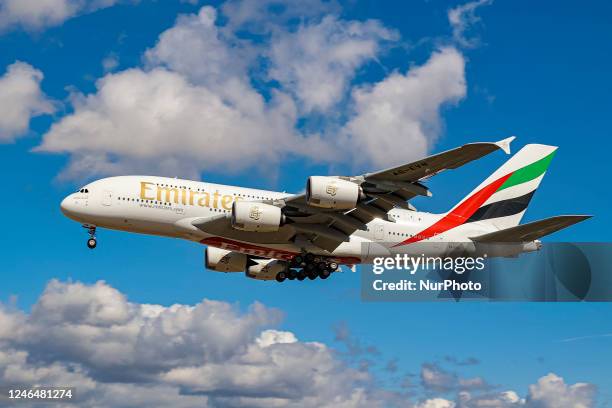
[460, 213]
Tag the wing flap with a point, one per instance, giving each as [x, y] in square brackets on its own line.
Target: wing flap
[533, 230]
[326, 243]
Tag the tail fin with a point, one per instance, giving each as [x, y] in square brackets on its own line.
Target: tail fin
[503, 197]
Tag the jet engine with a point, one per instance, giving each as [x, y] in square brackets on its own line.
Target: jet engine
[333, 193]
[266, 269]
[258, 217]
[221, 260]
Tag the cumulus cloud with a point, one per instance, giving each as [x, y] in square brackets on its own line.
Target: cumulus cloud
[436, 403]
[436, 378]
[206, 96]
[157, 121]
[317, 62]
[271, 337]
[505, 399]
[552, 391]
[38, 14]
[93, 338]
[197, 48]
[181, 116]
[21, 99]
[398, 119]
[462, 18]
[213, 354]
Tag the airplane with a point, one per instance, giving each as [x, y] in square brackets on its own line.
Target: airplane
[338, 220]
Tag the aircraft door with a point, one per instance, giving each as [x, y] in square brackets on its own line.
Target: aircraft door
[379, 232]
[107, 197]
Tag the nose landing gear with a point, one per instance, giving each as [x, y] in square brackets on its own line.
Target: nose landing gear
[91, 242]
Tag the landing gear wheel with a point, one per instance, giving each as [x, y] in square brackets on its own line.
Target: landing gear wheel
[309, 258]
[301, 275]
[324, 274]
[333, 266]
[312, 275]
[291, 275]
[298, 260]
[91, 243]
[281, 276]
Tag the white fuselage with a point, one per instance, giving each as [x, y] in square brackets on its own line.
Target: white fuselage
[167, 206]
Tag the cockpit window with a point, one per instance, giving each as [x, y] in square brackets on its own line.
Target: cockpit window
[83, 190]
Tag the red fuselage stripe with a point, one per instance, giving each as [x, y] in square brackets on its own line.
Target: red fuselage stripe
[264, 252]
[459, 214]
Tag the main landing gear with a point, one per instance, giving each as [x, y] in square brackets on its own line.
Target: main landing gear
[91, 242]
[308, 266]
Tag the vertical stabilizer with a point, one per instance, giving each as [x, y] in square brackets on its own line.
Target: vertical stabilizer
[503, 197]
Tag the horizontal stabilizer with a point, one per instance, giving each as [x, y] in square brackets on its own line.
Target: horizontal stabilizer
[533, 230]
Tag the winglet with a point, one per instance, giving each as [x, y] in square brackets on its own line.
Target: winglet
[505, 144]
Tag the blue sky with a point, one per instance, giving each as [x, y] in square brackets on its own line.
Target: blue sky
[539, 71]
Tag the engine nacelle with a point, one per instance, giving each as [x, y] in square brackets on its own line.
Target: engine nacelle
[331, 192]
[221, 260]
[266, 269]
[259, 217]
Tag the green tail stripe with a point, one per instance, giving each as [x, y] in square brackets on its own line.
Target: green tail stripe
[528, 173]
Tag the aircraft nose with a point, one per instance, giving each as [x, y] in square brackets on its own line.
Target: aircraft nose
[67, 205]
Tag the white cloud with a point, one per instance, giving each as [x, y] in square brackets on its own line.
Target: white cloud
[196, 112]
[462, 18]
[505, 399]
[270, 337]
[212, 354]
[20, 99]
[551, 391]
[317, 62]
[202, 103]
[140, 121]
[116, 352]
[398, 119]
[435, 378]
[38, 14]
[110, 62]
[197, 49]
[436, 403]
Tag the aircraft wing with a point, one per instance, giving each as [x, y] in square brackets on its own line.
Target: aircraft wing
[220, 226]
[533, 230]
[384, 190]
[429, 166]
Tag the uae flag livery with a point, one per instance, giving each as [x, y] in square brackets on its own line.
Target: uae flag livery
[501, 199]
